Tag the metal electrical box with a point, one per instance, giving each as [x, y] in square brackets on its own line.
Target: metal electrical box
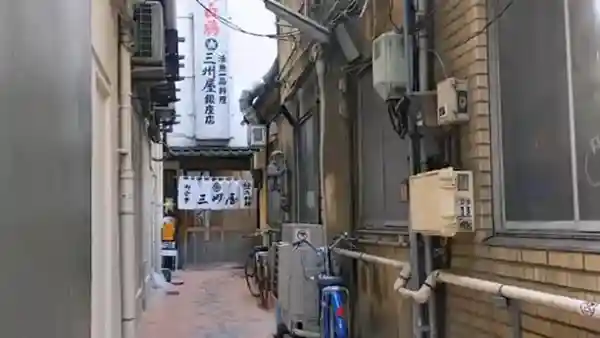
[298, 294]
[441, 202]
[452, 101]
[390, 68]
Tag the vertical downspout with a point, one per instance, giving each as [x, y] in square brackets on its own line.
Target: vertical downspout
[159, 199]
[126, 192]
[265, 177]
[320, 69]
[259, 191]
[419, 311]
[424, 85]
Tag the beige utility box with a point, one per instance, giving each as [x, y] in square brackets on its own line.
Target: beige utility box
[452, 101]
[441, 202]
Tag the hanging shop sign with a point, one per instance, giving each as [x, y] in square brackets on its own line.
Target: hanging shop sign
[213, 97]
[213, 193]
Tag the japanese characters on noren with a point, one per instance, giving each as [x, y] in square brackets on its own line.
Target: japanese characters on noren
[214, 193]
[187, 192]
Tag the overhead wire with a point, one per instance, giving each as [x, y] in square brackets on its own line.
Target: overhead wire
[350, 8]
[485, 27]
[228, 23]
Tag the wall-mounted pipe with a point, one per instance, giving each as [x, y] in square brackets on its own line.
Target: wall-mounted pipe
[424, 85]
[404, 267]
[248, 96]
[574, 305]
[319, 60]
[127, 236]
[170, 14]
[377, 242]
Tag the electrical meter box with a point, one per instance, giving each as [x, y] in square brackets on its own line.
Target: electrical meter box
[441, 202]
[390, 68]
[452, 101]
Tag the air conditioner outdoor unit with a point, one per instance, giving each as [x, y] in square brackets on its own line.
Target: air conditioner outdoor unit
[299, 295]
[149, 34]
[390, 68]
[441, 202]
[257, 136]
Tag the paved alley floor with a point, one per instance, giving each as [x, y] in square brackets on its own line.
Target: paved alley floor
[212, 303]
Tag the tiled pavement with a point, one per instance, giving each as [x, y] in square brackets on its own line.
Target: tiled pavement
[211, 304]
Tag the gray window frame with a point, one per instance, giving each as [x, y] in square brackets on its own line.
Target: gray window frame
[305, 118]
[501, 225]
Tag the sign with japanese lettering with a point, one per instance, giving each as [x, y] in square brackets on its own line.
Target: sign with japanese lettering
[187, 192]
[247, 192]
[232, 197]
[214, 90]
[213, 193]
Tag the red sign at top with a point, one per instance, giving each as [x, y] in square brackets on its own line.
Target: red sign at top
[211, 23]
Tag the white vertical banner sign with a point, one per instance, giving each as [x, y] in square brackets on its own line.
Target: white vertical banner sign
[204, 193]
[214, 87]
[233, 195]
[218, 193]
[187, 192]
[247, 192]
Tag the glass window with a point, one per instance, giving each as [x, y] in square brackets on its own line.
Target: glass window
[308, 170]
[548, 74]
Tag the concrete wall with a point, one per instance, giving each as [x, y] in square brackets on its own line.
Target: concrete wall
[105, 267]
[106, 283]
[45, 72]
[573, 274]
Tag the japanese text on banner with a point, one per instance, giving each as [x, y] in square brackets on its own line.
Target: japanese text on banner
[214, 70]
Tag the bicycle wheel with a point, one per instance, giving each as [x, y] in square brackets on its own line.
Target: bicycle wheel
[263, 280]
[250, 274]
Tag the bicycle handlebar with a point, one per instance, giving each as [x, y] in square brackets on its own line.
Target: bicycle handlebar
[260, 233]
[337, 240]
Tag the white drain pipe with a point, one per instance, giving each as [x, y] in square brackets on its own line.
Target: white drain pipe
[126, 191]
[404, 267]
[318, 58]
[581, 307]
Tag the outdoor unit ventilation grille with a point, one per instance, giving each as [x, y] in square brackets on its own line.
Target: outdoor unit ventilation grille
[149, 33]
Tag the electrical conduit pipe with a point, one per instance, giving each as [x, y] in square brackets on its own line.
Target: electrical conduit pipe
[404, 267]
[318, 58]
[574, 305]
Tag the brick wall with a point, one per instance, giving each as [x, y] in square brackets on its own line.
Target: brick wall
[471, 313]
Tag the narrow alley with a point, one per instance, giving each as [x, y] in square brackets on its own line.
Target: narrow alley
[300, 168]
[212, 303]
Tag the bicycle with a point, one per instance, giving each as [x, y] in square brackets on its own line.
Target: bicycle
[255, 267]
[334, 296]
